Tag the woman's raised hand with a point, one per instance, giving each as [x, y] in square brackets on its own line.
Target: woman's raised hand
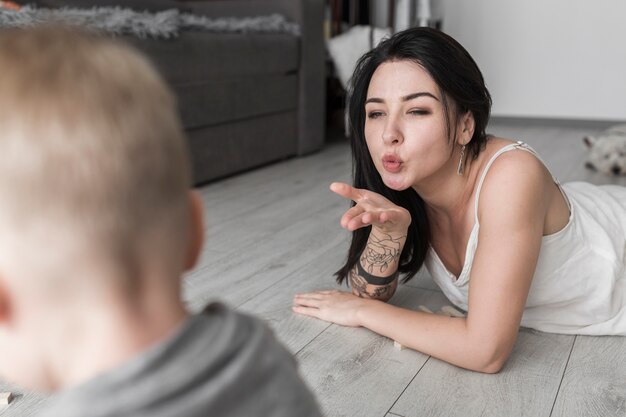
[371, 209]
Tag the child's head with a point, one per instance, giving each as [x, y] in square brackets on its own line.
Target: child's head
[94, 181]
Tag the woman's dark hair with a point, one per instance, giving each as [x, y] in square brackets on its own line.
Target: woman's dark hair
[459, 81]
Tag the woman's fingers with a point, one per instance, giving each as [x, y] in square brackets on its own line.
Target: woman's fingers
[346, 191]
[369, 218]
[307, 304]
[362, 220]
[307, 299]
[312, 298]
[351, 214]
[307, 311]
[333, 306]
[357, 222]
[364, 214]
[392, 216]
[359, 195]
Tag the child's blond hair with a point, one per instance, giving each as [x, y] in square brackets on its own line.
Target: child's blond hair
[91, 146]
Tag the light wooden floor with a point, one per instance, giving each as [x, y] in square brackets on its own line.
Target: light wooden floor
[274, 232]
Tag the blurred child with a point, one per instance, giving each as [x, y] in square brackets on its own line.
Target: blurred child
[97, 225]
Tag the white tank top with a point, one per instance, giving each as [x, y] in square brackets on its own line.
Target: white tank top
[579, 285]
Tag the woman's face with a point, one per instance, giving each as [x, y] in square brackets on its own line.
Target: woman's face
[405, 125]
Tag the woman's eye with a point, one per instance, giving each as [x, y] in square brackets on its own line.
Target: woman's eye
[417, 112]
[374, 114]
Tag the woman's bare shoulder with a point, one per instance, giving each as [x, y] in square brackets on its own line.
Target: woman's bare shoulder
[492, 145]
[515, 177]
[513, 163]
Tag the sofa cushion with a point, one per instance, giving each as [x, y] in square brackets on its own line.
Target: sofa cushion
[221, 149]
[235, 98]
[196, 57]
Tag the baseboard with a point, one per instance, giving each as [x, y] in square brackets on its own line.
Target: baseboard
[551, 122]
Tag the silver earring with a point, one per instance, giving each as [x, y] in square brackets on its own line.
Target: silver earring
[459, 170]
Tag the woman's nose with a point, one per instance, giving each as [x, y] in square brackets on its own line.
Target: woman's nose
[391, 134]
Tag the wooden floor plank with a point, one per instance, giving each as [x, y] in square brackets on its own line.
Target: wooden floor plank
[261, 263]
[247, 217]
[274, 227]
[274, 304]
[526, 386]
[277, 181]
[594, 384]
[23, 403]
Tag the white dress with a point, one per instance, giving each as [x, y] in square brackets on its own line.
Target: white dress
[579, 285]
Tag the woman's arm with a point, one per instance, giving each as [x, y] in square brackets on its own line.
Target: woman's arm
[375, 275]
[512, 210]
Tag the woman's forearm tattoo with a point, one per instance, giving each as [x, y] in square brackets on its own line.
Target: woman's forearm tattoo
[358, 283]
[369, 286]
[381, 252]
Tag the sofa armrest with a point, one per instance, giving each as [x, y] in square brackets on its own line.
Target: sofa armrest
[309, 14]
[312, 76]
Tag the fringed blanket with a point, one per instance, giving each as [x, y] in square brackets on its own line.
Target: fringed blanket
[164, 25]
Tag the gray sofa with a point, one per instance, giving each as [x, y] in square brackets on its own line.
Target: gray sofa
[245, 99]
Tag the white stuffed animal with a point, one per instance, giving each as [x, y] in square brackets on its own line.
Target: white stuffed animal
[607, 151]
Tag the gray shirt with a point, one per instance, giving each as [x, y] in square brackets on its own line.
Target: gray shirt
[219, 363]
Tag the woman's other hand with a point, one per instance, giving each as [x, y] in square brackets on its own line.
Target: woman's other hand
[332, 306]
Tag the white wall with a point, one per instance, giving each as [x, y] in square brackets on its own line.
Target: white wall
[547, 58]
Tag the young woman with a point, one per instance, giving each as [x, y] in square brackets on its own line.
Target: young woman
[500, 236]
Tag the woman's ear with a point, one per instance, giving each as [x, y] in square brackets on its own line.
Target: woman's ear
[467, 125]
[5, 302]
[196, 236]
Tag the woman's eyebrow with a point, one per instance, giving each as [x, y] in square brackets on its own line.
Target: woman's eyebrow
[416, 95]
[404, 98]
